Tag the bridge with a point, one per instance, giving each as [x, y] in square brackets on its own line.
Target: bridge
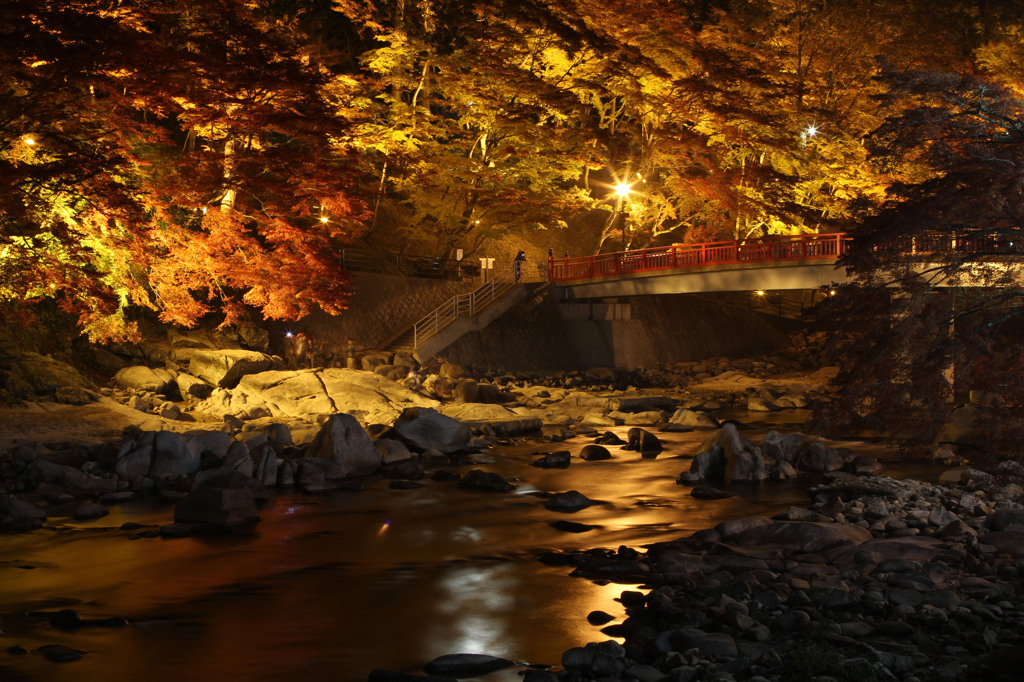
[778, 264]
[774, 263]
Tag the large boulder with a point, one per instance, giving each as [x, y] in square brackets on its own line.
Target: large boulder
[343, 441]
[742, 459]
[426, 428]
[800, 536]
[642, 441]
[684, 418]
[782, 447]
[31, 376]
[225, 368]
[191, 387]
[134, 463]
[173, 456]
[306, 395]
[142, 378]
[18, 514]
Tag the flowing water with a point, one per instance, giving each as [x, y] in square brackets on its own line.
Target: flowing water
[330, 587]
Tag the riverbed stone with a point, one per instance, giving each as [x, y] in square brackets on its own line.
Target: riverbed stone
[19, 514]
[594, 453]
[426, 428]
[343, 441]
[569, 502]
[642, 441]
[487, 481]
[144, 378]
[553, 460]
[173, 456]
[802, 536]
[466, 665]
[684, 418]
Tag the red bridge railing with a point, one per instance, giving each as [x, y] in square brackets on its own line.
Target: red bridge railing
[681, 256]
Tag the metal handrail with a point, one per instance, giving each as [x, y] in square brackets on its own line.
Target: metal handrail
[680, 256]
[460, 305]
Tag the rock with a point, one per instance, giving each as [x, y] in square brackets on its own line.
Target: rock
[395, 373]
[478, 479]
[191, 387]
[225, 368]
[1006, 541]
[819, 457]
[215, 443]
[709, 464]
[644, 442]
[553, 460]
[571, 501]
[31, 376]
[802, 536]
[58, 653]
[391, 450]
[595, 660]
[758, 404]
[784, 447]
[466, 665]
[90, 511]
[143, 378]
[407, 470]
[343, 441]
[572, 526]
[18, 514]
[426, 428]
[267, 464]
[692, 419]
[308, 394]
[172, 456]
[466, 391]
[609, 438]
[864, 465]
[707, 492]
[593, 453]
[727, 455]
[218, 507]
[370, 361]
[226, 477]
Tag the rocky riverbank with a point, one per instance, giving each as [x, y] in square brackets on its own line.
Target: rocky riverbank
[877, 579]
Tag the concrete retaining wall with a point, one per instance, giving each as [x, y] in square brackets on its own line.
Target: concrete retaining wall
[541, 334]
[535, 336]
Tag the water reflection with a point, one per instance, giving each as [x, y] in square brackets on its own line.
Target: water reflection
[332, 587]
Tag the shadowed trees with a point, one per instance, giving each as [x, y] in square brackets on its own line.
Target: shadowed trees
[939, 292]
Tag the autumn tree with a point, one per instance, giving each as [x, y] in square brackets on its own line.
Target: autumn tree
[170, 156]
[466, 136]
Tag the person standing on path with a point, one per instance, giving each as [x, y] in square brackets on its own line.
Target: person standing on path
[350, 354]
[517, 266]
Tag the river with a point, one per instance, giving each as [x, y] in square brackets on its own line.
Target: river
[330, 587]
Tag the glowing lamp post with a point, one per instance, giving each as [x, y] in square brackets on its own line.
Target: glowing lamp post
[621, 192]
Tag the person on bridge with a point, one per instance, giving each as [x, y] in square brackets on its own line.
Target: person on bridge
[517, 266]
